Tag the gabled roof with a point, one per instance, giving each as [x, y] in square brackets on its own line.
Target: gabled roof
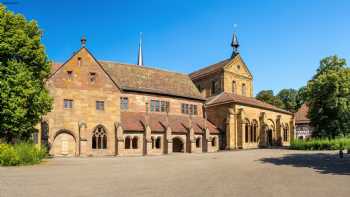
[301, 115]
[217, 67]
[150, 80]
[225, 97]
[135, 121]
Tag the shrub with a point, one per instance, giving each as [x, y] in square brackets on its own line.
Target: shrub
[22, 153]
[321, 144]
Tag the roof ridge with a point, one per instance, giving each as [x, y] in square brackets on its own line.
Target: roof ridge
[210, 65]
[143, 67]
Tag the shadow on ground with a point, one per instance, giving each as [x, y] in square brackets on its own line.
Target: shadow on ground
[324, 163]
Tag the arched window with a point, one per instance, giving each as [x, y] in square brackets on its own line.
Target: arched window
[285, 133]
[198, 142]
[254, 130]
[246, 131]
[158, 140]
[99, 138]
[213, 142]
[234, 87]
[244, 89]
[135, 142]
[127, 142]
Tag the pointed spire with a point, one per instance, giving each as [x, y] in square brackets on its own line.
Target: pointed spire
[140, 57]
[83, 41]
[234, 45]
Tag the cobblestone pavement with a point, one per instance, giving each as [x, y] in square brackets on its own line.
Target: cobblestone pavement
[263, 172]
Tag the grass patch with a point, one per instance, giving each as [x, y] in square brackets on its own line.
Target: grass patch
[23, 153]
[321, 144]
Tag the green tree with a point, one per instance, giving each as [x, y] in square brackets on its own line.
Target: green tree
[328, 98]
[301, 97]
[268, 97]
[23, 68]
[289, 99]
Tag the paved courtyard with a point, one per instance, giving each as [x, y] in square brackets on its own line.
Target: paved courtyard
[268, 172]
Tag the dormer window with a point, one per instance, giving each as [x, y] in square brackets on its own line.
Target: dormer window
[92, 77]
[244, 89]
[70, 74]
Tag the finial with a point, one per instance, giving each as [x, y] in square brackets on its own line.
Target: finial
[83, 41]
[234, 44]
[140, 57]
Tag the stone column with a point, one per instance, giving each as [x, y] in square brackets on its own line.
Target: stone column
[241, 127]
[148, 141]
[191, 141]
[262, 128]
[168, 142]
[231, 129]
[206, 139]
[119, 150]
[278, 130]
[291, 129]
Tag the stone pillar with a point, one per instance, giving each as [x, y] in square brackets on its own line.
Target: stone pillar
[119, 150]
[206, 140]
[148, 141]
[168, 142]
[241, 127]
[262, 132]
[191, 141]
[278, 130]
[231, 129]
[291, 129]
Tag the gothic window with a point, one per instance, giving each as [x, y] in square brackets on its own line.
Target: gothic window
[198, 142]
[100, 105]
[234, 87]
[244, 89]
[255, 126]
[127, 142]
[68, 103]
[285, 133]
[124, 103]
[92, 77]
[158, 141]
[246, 131]
[99, 138]
[135, 142]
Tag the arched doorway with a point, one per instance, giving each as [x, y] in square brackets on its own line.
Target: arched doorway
[64, 144]
[269, 137]
[178, 145]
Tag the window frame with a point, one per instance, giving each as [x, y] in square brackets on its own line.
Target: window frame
[69, 103]
[124, 103]
[98, 105]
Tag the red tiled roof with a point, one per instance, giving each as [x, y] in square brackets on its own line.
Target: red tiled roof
[301, 114]
[209, 69]
[225, 97]
[131, 77]
[135, 121]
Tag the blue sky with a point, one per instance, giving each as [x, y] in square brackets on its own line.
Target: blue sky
[282, 42]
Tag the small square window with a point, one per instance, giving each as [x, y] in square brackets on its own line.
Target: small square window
[68, 104]
[124, 103]
[100, 105]
[92, 77]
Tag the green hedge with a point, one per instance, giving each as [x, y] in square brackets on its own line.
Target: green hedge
[321, 144]
[23, 153]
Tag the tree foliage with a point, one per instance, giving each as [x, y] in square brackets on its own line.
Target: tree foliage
[328, 98]
[23, 68]
[288, 97]
[268, 97]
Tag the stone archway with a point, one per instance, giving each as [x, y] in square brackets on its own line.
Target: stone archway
[178, 145]
[64, 144]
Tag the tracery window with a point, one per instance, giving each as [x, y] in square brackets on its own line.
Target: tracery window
[158, 142]
[99, 138]
[285, 133]
[127, 142]
[198, 142]
[135, 141]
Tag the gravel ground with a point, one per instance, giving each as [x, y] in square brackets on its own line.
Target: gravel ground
[262, 172]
